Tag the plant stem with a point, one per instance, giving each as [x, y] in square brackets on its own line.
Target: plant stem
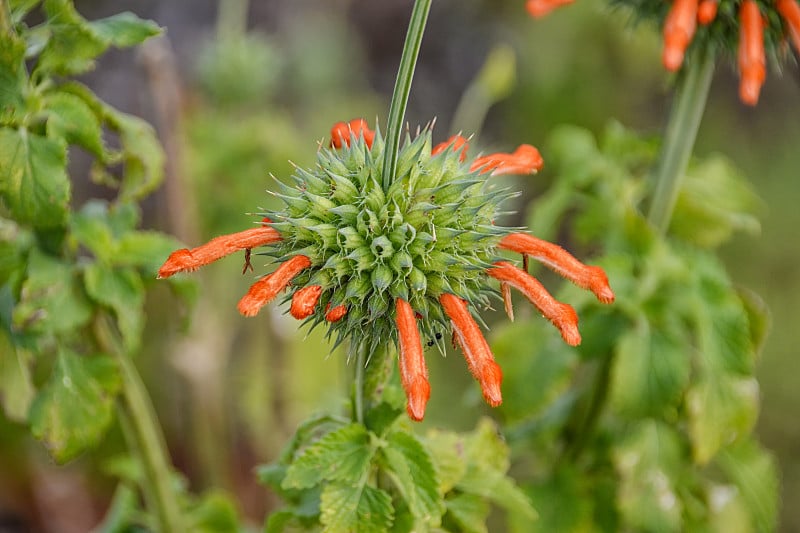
[402, 87]
[5, 18]
[360, 382]
[146, 433]
[684, 121]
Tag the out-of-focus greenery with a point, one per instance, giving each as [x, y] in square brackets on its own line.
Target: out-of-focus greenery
[231, 391]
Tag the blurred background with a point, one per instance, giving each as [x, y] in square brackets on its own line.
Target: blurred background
[239, 89]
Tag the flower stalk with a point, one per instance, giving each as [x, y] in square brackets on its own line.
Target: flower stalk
[147, 439]
[402, 88]
[681, 132]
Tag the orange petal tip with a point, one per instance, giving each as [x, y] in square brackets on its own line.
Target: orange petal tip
[491, 377]
[419, 392]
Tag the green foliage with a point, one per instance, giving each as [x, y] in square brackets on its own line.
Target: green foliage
[349, 478]
[664, 392]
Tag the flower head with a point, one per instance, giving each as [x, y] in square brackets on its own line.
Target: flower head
[746, 29]
[396, 264]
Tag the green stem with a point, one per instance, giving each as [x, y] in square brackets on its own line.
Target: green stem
[5, 18]
[402, 88]
[360, 383]
[146, 433]
[684, 121]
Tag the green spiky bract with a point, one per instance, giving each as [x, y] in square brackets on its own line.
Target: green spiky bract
[430, 232]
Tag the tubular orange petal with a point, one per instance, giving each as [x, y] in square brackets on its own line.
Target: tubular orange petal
[476, 350]
[540, 8]
[335, 314]
[524, 160]
[752, 62]
[562, 262]
[265, 289]
[790, 11]
[456, 142]
[562, 315]
[413, 370]
[304, 301]
[342, 132]
[679, 28]
[707, 11]
[189, 260]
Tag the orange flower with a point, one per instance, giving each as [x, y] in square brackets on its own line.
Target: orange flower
[707, 11]
[540, 8]
[341, 132]
[790, 11]
[345, 258]
[679, 29]
[752, 63]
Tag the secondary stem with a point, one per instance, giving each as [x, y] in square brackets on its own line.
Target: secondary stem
[402, 87]
[146, 433]
[684, 121]
[360, 382]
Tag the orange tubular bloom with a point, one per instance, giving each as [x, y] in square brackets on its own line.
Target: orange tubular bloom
[561, 262]
[304, 301]
[335, 314]
[524, 160]
[679, 28]
[341, 132]
[476, 350]
[413, 370]
[752, 63]
[790, 11]
[268, 287]
[707, 11]
[562, 315]
[188, 260]
[540, 8]
[457, 142]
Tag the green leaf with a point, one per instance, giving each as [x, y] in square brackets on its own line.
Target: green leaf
[487, 458]
[73, 43]
[33, 181]
[71, 119]
[408, 464]
[341, 455]
[566, 489]
[141, 152]
[75, 407]
[648, 459]
[121, 290]
[52, 299]
[13, 245]
[214, 513]
[355, 509]
[650, 370]
[754, 473]
[721, 409]
[758, 317]
[469, 512]
[728, 510]
[16, 388]
[714, 201]
[446, 451]
[125, 29]
[13, 79]
[20, 8]
[90, 228]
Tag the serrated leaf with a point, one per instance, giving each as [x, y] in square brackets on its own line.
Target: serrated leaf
[33, 180]
[469, 512]
[650, 370]
[125, 29]
[648, 460]
[89, 227]
[411, 470]
[721, 409]
[754, 473]
[16, 387]
[341, 455]
[12, 77]
[75, 407]
[71, 119]
[52, 299]
[142, 153]
[73, 44]
[122, 291]
[355, 509]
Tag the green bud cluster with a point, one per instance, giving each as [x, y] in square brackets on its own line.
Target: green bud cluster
[430, 232]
